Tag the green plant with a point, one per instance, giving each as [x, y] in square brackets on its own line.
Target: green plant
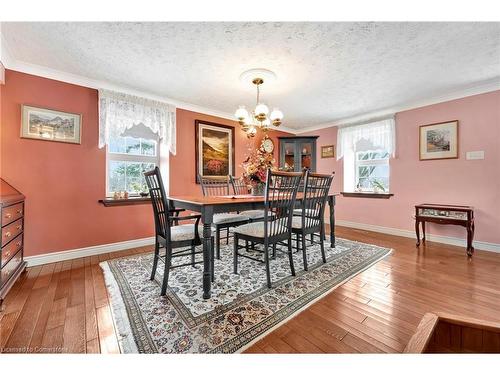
[376, 183]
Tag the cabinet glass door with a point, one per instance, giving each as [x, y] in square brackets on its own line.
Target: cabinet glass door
[306, 154]
[289, 157]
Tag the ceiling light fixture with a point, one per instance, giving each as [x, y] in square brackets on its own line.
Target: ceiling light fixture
[259, 117]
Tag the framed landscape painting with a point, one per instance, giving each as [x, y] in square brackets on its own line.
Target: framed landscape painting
[439, 141]
[214, 149]
[328, 151]
[50, 125]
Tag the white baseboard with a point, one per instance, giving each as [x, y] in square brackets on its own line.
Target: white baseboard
[479, 245]
[58, 256]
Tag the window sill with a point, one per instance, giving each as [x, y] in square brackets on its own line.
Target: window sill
[110, 202]
[367, 195]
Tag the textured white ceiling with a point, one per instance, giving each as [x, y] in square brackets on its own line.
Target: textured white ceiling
[326, 71]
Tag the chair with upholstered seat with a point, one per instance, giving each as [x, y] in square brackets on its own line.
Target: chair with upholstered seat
[280, 194]
[219, 186]
[241, 188]
[312, 209]
[169, 235]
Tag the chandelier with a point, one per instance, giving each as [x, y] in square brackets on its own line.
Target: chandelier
[259, 117]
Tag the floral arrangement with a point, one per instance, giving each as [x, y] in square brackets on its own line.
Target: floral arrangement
[256, 165]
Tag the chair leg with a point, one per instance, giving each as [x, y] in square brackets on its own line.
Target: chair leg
[290, 255]
[168, 258]
[246, 246]
[155, 260]
[312, 238]
[298, 242]
[268, 270]
[212, 259]
[227, 236]
[235, 254]
[322, 243]
[217, 241]
[304, 252]
[193, 249]
[274, 251]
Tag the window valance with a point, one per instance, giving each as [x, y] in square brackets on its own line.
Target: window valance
[381, 134]
[122, 114]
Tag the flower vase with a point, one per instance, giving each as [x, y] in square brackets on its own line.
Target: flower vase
[258, 189]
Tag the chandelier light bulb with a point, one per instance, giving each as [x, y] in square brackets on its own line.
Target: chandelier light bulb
[261, 110]
[265, 123]
[276, 114]
[252, 130]
[241, 113]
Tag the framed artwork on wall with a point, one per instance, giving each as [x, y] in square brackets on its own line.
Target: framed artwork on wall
[50, 125]
[328, 151]
[214, 150]
[439, 141]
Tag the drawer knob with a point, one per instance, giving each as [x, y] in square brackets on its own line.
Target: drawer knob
[19, 227]
[7, 234]
[8, 215]
[19, 211]
[18, 244]
[7, 254]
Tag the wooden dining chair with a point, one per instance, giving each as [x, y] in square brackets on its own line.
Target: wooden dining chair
[280, 195]
[220, 186]
[312, 209]
[241, 188]
[168, 233]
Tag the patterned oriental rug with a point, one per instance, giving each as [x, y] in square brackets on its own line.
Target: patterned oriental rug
[242, 309]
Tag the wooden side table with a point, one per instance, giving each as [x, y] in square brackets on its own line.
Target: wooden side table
[445, 214]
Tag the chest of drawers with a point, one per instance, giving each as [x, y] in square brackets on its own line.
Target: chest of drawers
[12, 262]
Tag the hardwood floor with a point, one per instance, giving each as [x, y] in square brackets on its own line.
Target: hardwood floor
[64, 307]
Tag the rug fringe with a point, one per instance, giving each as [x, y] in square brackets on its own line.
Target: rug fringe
[119, 312]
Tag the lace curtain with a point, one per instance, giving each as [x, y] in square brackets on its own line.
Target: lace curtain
[120, 114]
[381, 134]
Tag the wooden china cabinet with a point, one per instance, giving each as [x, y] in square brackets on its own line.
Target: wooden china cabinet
[297, 153]
[12, 262]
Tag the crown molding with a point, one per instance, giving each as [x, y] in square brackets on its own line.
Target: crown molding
[79, 80]
[476, 89]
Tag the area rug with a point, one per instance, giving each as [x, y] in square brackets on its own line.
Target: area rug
[241, 310]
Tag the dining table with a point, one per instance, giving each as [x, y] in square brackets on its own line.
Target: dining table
[207, 206]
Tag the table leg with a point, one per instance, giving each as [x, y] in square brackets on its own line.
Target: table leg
[423, 231]
[470, 238]
[207, 217]
[417, 231]
[331, 206]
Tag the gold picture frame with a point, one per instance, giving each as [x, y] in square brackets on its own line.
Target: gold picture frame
[214, 149]
[47, 124]
[327, 151]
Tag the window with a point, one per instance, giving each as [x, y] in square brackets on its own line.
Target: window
[372, 170]
[366, 150]
[127, 160]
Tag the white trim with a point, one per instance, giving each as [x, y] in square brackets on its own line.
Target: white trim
[478, 245]
[11, 63]
[476, 89]
[58, 256]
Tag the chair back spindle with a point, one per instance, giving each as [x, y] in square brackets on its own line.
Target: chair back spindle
[315, 194]
[280, 194]
[239, 186]
[159, 202]
[214, 186]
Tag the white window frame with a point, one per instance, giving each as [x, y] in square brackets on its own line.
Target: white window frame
[124, 157]
[370, 162]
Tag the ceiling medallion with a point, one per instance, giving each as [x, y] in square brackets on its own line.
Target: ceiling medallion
[259, 117]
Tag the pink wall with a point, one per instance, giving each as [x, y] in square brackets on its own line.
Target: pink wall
[63, 182]
[452, 181]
